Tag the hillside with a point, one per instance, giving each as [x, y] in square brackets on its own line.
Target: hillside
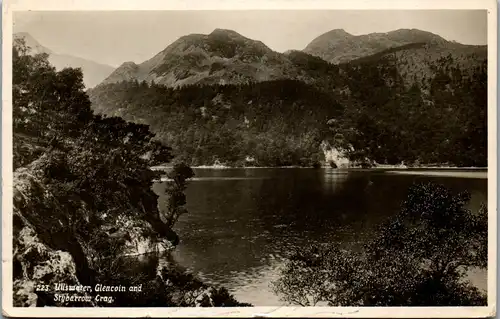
[372, 116]
[276, 123]
[433, 113]
[419, 62]
[422, 102]
[93, 72]
[221, 57]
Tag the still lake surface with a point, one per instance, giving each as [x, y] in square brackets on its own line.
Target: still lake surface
[242, 223]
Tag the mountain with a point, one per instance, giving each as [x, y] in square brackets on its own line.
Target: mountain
[414, 55]
[93, 72]
[420, 102]
[226, 57]
[221, 57]
[338, 46]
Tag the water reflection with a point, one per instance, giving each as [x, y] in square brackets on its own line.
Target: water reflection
[242, 222]
[332, 179]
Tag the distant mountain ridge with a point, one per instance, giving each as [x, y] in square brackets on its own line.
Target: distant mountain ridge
[227, 57]
[93, 72]
[224, 98]
[223, 56]
[338, 46]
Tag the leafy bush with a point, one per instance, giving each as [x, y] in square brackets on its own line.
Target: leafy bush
[418, 258]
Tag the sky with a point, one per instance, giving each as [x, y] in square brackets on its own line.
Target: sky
[114, 37]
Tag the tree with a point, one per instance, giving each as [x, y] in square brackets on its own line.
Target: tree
[175, 192]
[418, 258]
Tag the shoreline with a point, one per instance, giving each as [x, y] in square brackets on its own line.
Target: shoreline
[381, 167]
[443, 173]
[463, 172]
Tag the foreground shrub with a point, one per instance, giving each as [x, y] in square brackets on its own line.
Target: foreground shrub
[418, 258]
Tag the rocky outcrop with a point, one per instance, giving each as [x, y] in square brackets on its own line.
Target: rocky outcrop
[335, 157]
[37, 269]
[138, 237]
[187, 291]
[48, 251]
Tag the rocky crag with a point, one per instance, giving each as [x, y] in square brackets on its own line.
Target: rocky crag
[83, 207]
[44, 258]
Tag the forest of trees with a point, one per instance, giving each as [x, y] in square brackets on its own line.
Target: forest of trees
[276, 123]
[370, 108]
[439, 119]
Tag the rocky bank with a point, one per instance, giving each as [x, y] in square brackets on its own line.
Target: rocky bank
[46, 254]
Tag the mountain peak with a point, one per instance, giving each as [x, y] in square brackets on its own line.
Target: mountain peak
[414, 35]
[226, 32]
[338, 46]
[128, 64]
[330, 38]
[202, 40]
[335, 34]
[341, 32]
[222, 56]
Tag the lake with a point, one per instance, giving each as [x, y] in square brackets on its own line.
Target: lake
[242, 223]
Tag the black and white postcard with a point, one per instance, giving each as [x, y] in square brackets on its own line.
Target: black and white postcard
[249, 158]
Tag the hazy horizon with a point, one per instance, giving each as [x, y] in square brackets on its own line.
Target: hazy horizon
[114, 37]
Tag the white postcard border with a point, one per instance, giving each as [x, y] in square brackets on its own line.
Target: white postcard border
[8, 7]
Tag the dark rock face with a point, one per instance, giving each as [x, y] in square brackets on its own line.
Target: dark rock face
[45, 256]
[38, 265]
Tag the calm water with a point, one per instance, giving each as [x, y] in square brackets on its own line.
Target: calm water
[243, 222]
